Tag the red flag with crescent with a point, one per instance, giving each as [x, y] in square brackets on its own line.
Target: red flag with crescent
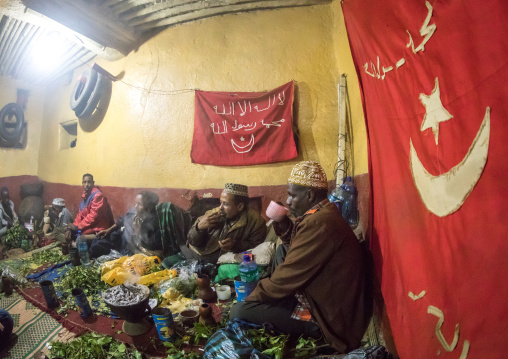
[243, 128]
[433, 77]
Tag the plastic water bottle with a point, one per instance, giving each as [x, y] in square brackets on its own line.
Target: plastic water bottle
[350, 203]
[248, 270]
[82, 249]
[337, 197]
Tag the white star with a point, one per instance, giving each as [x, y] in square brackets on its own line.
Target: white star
[242, 139]
[435, 111]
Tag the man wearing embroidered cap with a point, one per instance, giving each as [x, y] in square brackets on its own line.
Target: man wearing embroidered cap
[56, 218]
[320, 287]
[232, 227]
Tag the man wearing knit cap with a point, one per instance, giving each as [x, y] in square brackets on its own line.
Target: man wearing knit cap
[320, 287]
[56, 219]
[232, 227]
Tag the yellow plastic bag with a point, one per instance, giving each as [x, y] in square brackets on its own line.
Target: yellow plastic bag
[156, 277]
[131, 269]
[141, 264]
[118, 276]
[106, 267]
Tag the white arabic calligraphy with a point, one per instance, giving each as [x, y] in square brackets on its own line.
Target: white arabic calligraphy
[218, 131]
[375, 70]
[244, 110]
[247, 106]
[426, 31]
[274, 123]
[247, 127]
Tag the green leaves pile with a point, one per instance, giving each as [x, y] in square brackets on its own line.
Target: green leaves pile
[86, 278]
[267, 342]
[14, 236]
[175, 352]
[200, 331]
[92, 346]
[38, 259]
[305, 347]
[52, 256]
[203, 331]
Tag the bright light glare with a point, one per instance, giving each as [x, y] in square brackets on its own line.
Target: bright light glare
[48, 53]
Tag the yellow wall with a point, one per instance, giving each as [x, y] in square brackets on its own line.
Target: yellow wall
[14, 161]
[346, 66]
[145, 138]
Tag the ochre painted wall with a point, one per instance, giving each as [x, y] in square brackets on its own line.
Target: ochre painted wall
[24, 161]
[144, 140]
[344, 60]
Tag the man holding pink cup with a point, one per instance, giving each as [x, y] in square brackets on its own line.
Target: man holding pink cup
[319, 287]
[276, 212]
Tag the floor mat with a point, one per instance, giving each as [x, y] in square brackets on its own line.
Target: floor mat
[33, 328]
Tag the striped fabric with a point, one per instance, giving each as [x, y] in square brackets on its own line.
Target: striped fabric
[33, 327]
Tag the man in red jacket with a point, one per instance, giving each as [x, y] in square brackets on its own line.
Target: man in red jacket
[94, 211]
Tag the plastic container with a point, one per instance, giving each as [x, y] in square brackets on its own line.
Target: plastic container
[83, 250]
[350, 203]
[223, 292]
[248, 270]
[337, 197]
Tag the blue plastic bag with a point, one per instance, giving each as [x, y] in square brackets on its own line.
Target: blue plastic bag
[232, 342]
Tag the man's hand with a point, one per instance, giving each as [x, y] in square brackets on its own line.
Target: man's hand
[72, 227]
[227, 244]
[68, 236]
[103, 233]
[282, 227]
[209, 221]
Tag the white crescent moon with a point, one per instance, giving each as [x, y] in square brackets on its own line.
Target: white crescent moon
[446, 193]
[243, 149]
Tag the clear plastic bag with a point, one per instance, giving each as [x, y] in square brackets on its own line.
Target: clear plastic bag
[108, 257]
[187, 268]
[15, 276]
[185, 285]
[15, 264]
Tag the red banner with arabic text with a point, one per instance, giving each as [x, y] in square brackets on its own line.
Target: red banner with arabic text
[433, 76]
[243, 128]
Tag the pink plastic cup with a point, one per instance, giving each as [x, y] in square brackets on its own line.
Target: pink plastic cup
[276, 212]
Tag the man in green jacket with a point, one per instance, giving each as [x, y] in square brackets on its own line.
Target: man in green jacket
[320, 287]
[232, 227]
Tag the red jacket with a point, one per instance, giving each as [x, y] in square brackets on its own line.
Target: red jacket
[94, 213]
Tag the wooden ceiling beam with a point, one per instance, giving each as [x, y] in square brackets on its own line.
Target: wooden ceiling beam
[197, 11]
[151, 10]
[92, 22]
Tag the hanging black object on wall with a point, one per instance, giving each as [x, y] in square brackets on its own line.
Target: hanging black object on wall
[83, 89]
[88, 92]
[12, 122]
